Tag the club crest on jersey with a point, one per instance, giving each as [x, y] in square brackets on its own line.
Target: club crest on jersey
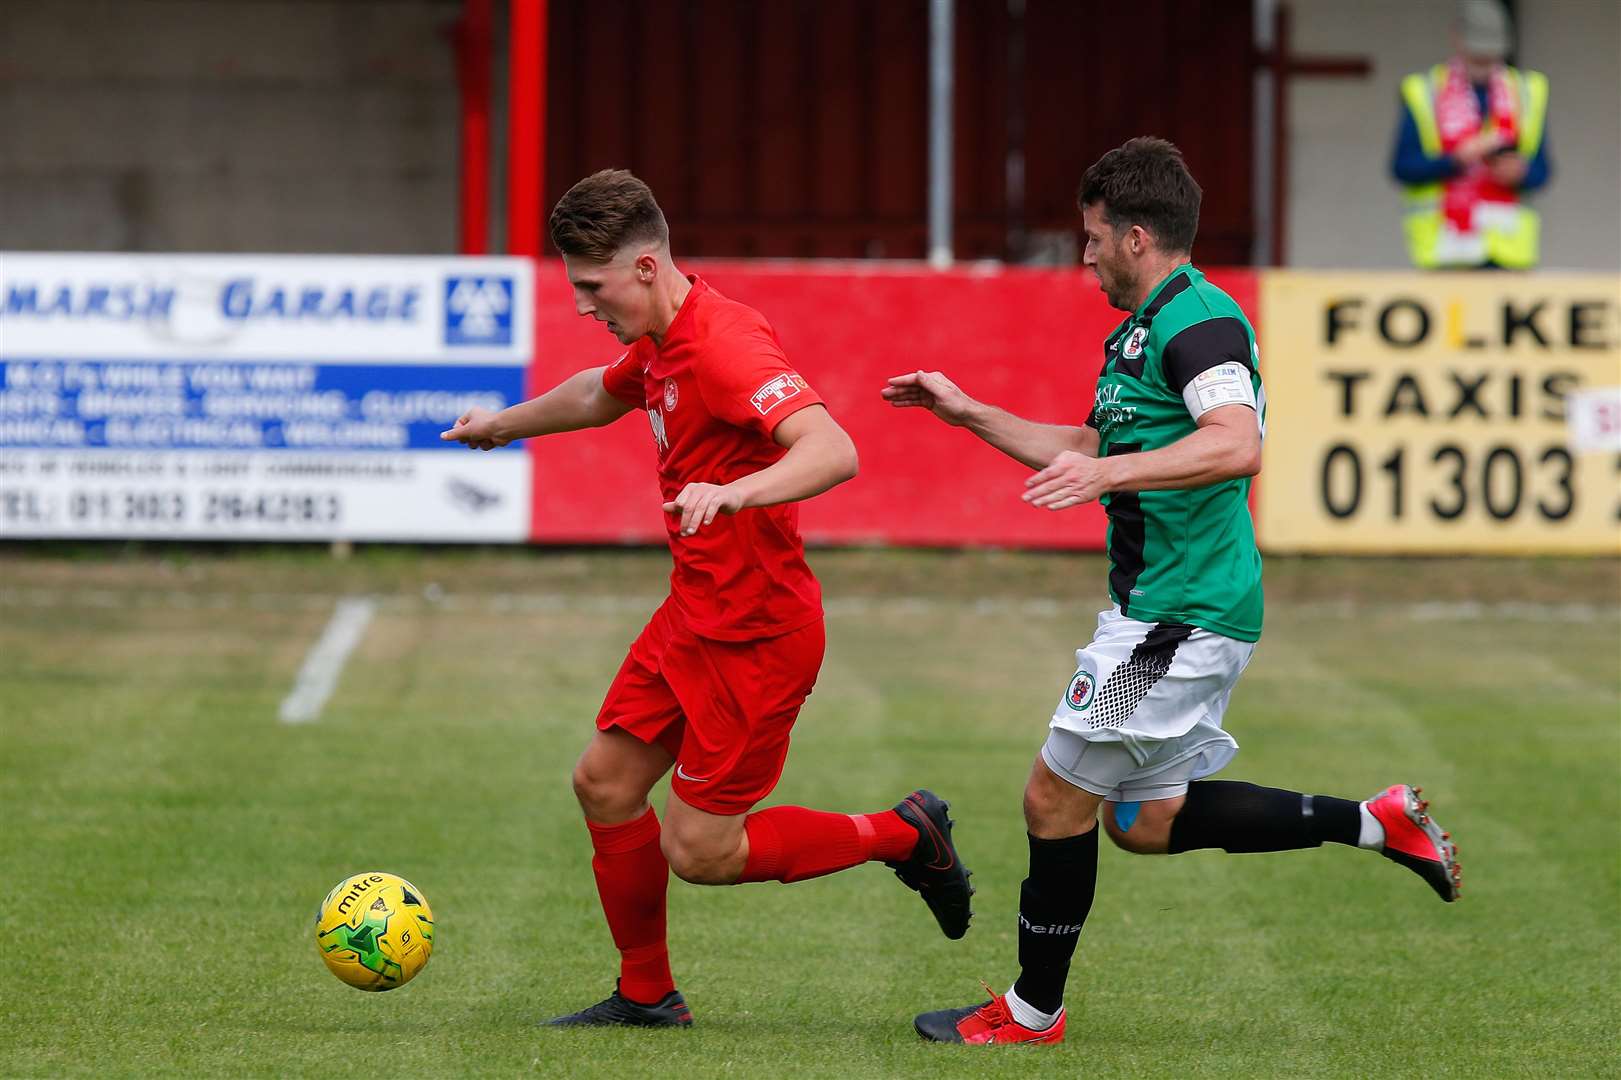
[777, 389]
[671, 395]
[1081, 688]
[1134, 343]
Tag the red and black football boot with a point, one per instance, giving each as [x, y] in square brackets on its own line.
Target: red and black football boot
[984, 1025]
[1413, 839]
[934, 868]
[617, 1010]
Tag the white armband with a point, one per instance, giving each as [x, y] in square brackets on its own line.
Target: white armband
[1224, 384]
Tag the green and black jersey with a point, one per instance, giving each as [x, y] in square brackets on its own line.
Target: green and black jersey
[1183, 556]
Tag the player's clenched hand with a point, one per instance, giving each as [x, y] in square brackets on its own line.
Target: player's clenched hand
[929, 390]
[1072, 479]
[476, 429]
[699, 503]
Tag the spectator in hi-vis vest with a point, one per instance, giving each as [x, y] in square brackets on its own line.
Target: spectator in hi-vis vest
[1471, 144]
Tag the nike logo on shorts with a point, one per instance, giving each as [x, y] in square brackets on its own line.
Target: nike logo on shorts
[688, 777]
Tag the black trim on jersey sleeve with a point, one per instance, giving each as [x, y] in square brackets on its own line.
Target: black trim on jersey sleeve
[1092, 418]
[1202, 346]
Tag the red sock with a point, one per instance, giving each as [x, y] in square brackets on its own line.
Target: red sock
[632, 878]
[791, 843]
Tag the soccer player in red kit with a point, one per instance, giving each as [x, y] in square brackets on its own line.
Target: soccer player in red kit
[716, 679]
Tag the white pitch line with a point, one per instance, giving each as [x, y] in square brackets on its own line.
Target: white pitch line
[319, 675]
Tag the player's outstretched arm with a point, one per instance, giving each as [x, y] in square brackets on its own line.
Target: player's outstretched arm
[1026, 441]
[1226, 446]
[580, 401]
[820, 455]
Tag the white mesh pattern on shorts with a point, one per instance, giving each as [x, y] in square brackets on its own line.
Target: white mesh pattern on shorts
[1129, 683]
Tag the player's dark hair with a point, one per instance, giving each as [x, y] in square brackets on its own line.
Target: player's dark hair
[1146, 182]
[605, 212]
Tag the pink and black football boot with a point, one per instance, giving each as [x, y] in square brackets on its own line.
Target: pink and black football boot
[1413, 839]
[984, 1025]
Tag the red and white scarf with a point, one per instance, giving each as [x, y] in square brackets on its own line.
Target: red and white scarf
[1458, 117]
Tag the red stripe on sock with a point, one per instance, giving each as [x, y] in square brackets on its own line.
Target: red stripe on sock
[791, 843]
[892, 838]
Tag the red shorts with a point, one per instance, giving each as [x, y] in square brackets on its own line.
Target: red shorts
[724, 709]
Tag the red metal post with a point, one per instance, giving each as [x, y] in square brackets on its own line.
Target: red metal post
[1280, 133]
[526, 126]
[1283, 64]
[473, 77]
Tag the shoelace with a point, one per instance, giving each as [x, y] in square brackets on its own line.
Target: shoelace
[995, 1011]
[611, 1008]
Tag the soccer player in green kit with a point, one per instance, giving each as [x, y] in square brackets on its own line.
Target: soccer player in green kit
[1172, 439]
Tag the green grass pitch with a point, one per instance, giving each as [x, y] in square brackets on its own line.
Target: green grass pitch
[166, 839]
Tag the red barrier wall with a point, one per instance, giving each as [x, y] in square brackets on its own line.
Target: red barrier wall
[1027, 340]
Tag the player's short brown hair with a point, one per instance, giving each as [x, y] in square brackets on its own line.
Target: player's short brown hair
[603, 213]
[1146, 182]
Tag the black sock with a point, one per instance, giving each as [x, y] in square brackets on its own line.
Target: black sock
[1239, 817]
[1053, 905]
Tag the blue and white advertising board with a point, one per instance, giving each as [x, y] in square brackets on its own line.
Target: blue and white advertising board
[259, 397]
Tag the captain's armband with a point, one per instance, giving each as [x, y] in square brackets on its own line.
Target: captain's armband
[1224, 384]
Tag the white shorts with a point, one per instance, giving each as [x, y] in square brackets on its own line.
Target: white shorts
[1141, 716]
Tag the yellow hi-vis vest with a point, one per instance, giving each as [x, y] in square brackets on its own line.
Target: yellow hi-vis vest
[1507, 236]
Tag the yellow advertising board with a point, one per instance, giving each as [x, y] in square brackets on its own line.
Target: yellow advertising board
[1413, 413]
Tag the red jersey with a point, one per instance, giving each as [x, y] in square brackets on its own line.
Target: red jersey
[714, 392]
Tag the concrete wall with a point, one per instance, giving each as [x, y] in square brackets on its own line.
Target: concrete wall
[330, 126]
[1345, 211]
[1578, 44]
[224, 125]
